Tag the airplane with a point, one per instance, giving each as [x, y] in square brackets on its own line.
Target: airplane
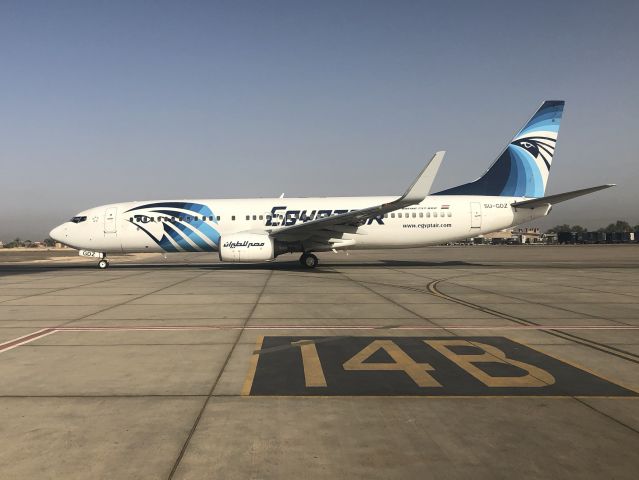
[509, 193]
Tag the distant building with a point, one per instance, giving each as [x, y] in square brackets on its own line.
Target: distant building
[1, 244]
[528, 235]
[512, 236]
[500, 235]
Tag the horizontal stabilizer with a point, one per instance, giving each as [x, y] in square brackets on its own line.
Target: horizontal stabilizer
[560, 197]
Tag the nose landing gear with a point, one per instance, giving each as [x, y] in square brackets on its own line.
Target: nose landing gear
[309, 260]
[103, 264]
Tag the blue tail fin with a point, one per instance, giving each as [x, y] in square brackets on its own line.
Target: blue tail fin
[522, 168]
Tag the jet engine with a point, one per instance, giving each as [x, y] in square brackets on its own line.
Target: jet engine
[247, 247]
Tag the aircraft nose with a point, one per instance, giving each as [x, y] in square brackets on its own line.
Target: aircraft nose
[57, 233]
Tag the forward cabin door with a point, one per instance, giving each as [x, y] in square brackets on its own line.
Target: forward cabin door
[475, 215]
[110, 220]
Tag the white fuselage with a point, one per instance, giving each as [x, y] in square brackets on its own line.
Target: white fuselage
[127, 228]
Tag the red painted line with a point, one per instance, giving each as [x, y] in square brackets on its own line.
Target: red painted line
[16, 342]
[145, 328]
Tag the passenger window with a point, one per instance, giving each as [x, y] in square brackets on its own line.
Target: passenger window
[248, 217]
[261, 217]
[254, 217]
[268, 217]
[392, 215]
[386, 215]
[427, 214]
[434, 214]
[233, 217]
[421, 214]
[414, 215]
[450, 214]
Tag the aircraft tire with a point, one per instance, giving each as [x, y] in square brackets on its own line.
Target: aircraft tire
[309, 260]
[103, 264]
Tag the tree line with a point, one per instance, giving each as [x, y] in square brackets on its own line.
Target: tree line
[18, 242]
[618, 226]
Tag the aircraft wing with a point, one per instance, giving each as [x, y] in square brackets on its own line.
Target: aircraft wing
[324, 228]
[560, 197]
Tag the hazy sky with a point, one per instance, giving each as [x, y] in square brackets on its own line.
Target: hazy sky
[113, 101]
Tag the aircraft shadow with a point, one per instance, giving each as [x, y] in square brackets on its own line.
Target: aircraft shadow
[9, 269]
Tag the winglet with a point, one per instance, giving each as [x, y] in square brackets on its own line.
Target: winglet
[420, 188]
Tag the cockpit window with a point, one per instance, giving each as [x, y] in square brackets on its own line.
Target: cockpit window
[78, 219]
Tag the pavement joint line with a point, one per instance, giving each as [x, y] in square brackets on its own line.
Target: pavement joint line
[491, 311]
[187, 441]
[433, 291]
[56, 328]
[606, 415]
[328, 397]
[75, 286]
[432, 286]
[499, 274]
[617, 352]
[26, 339]
[299, 343]
[596, 317]
[136, 297]
[435, 282]
[346, 327]
[578, 287]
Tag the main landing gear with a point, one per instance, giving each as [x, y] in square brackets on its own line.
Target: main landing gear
[309, 260]
[103, 263]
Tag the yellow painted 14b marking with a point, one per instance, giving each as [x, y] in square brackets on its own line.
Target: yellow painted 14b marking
[535, 376]
[418, 372]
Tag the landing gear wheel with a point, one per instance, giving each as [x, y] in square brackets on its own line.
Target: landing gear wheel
[309, 260]
[102, 264]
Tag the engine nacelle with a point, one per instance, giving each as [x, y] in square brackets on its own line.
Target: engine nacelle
[247, 247]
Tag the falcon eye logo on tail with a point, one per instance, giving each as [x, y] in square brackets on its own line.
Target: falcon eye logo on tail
[539, 147]
[522, 168]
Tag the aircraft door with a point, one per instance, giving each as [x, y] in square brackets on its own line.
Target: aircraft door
[110, 220]
[475, 215]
